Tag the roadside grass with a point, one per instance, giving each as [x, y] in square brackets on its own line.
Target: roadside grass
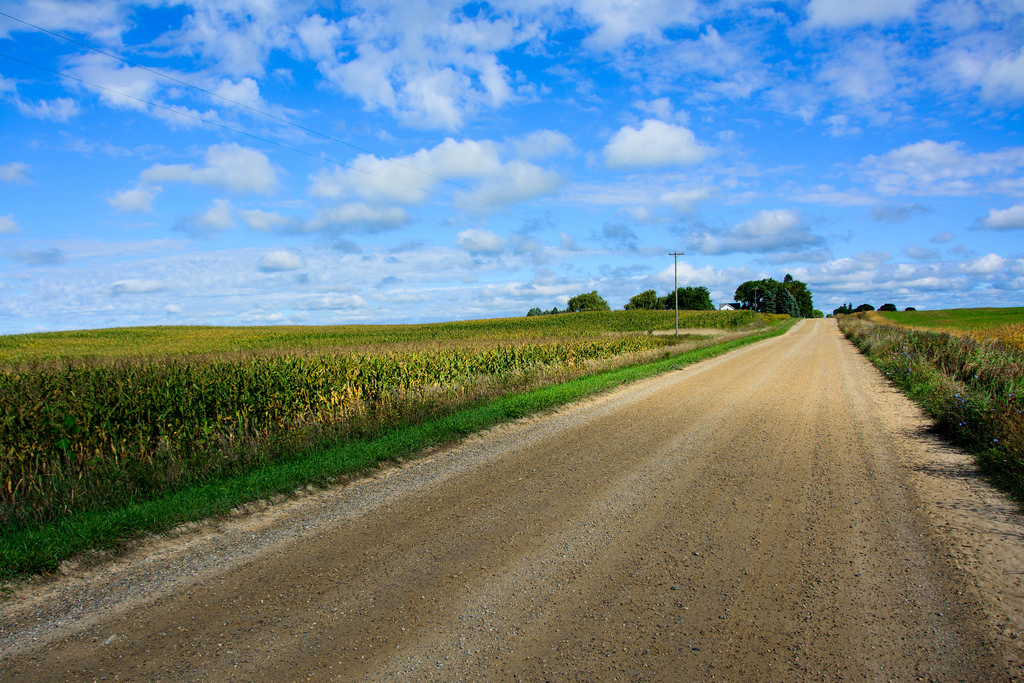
[41, 547]
[974, 390]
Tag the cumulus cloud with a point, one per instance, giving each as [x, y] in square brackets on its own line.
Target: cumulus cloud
[684, 201]
[1004, 78]
[408, 179]
[985, 265]
[654, 144]
[268, 221]
[218, 218]
[8, 225]
[430, 66]
[135, 286]
[172, 309]
[280, 260]
[229, 166]
[481, 241]
[60, 109]
[120, 86]
[1006, 219]
[517, 181]
[767, 231]
[542, 144]
[934, 168]
[413, 178]
[844, 14]
[14, 172]
[136, 200]
[357, 215]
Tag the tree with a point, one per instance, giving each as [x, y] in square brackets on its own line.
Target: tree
[864, 307]
[587, 302]
[909, 308]
[751, 294]
[690, 299]
[887, 307]
[534, 311]
[845, 309]
[786, 304]
[644, 301]
[801, 293]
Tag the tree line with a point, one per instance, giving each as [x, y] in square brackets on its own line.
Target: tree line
[791, 297]
[847, 309]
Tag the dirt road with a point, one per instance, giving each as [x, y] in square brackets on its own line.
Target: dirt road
[778, 513]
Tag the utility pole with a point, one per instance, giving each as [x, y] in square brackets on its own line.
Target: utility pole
[676, 255]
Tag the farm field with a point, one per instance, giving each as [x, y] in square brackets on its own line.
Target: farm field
[190, 342]
[1003, 324]
[102, 418]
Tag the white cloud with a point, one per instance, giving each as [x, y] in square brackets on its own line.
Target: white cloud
[172, 309]
[847, 13]
[616, 21]
[357, 215]
[136, 200]
[654, 144]
[517, 181]
[933, 168]
[59, 109]
[218, 218]
[267, 221]
[481, 241]
[8, 226]
[767, 231]
[411, 178]
[1004, 78]
[1006, 219]
[245, 91]
[120, 86]
[229, 166]
[839, 126]
[985, 265]
[429, 65]
[542, 144]
[280, 260]
[684, 201]
[14, 172]
[135, 286]
[860, 74]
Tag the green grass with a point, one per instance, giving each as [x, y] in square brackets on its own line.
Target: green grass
[964, 319]
[42, 547]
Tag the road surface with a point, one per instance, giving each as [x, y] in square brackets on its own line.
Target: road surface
[778, 513]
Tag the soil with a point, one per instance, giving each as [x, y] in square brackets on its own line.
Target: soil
[777, 513]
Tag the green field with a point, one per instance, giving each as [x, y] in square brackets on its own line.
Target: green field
[965, 319]
[181, 342]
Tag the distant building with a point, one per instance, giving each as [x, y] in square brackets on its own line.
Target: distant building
[730, 307]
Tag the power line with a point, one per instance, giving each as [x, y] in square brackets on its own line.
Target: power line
[240, 131]
[255, 110]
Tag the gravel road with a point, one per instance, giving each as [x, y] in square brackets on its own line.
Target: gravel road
[777, 513]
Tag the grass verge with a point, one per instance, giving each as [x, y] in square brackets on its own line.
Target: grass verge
[972, 389]
[42, 547]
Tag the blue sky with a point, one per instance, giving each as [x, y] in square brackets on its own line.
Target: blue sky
[254, 162]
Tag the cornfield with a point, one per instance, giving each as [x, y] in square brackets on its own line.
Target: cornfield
[78, 432]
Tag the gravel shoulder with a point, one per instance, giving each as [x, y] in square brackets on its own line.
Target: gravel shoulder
[776, 513]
